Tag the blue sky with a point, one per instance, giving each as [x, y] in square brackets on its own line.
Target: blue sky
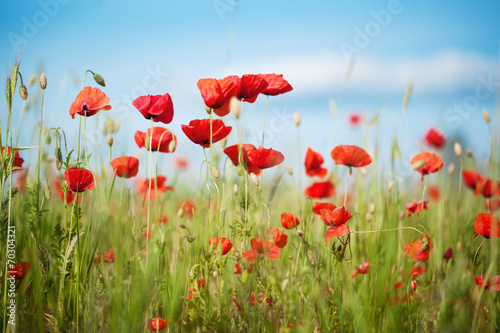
[443, 47]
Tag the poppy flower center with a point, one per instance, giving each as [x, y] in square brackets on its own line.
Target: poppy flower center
[84, 106]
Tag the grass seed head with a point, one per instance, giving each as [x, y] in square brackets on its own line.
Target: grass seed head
[43, 81]
[451, 169]
[368, 217]
[458, 149]
[486, 116]
[215, 172]
[372, 208]
[289, 169]
[296, 118]
[109, 140]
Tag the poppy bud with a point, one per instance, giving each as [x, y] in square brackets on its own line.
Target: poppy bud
[235, 107]
[215, 172]
[23, 92]
[289, 169]
[255, 179]
[368, 217]
[235, 189]
[296, 118]
[99, 80]
[486, 116]
[458, 149]
[109, 139]
[300, 233]
[58, 158]
[451, 169]
[448, 254]
[468, 152]
[109, 126]
[180, 214]
[190, 239]
[425, 244]
[240, 170]
[372, 208]
[413, 285]
[418, 164]
[32, 80]
[223, 143]
[172, 146]
[43, 81]
[44, 131]
[208, 109]
[390, 185]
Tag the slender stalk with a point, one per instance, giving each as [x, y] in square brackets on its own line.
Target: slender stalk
[264, 121]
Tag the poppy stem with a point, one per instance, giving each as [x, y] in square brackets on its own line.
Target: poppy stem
[264, 121]
[111, 189]
[475, 254]
[149, 184]
[347, 182]
[386, 230]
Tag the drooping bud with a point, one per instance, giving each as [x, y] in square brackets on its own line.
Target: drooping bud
[208, 109]
[99, 80]
[486, 116]
[59, 159]
[300, 233]
[43, 81]
[458, 149]
[368, 217]
[448, 254]
[469, 153]
[215, 172]
[451, 169]
[255, 179]
[240, 170]
[172, 146]
[109, 126]
[425, 244]
[413, 285]
[109, 140]
[372, 208]
[23, 92]
[296, 118]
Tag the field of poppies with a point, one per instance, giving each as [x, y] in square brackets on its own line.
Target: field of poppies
[335, 246]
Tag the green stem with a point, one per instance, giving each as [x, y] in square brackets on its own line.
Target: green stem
[264, 121]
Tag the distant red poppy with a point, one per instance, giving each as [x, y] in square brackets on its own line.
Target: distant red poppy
[263, 158]
[480, 184]
[355, 118]
[487, 226]
[262, 246]
[198, 131]
[432, 162]
[279, 238]
[318, 206]
[158, 107]
[237, 303]
[417, 270]
[161, 137]
[181, 163]
[434, 192]
[201, 283]
[154, 190]
[70, 196]
[157, 324]
[148, 233]
[237, 269]
[89, 101]
[125, 166]
[493, 282]
[79, 180]
[364, 268]
[249, 86]
[163, 219]
[416, 207]
[217, 94]
[18, 271]
[320, 190]
[18, 161]
[276, 84]
[188, 208]
[97, 259]
[351, 156]
[289, 221]
[109, 256]
[225, 243]
[435, 138]
[336, 219]
[313, 162]
[22, 180]
[448, 254]
[494, 204]
[412, 250]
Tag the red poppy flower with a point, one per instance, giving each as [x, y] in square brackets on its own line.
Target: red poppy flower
[435, 138]
[109, 256]
[237, 268]
[432, 162]
[181, 163]
[125, 166]
[158, 107]
[217, 94]
[434, 192]
[276, 84]
[487, 226]
[262, 246]
[416, 207]
[318, 206]
[198, 131]
[70, 196]
[235, 300]
[252, 298]
[89, 101]
[417, 270]
[472, 178]
[163, 219]
[188, 209]
[351, 156]
[320, 190]
[355, 118]
[162, 138]
[263, 158]
[364, 268]
[481, 184]
[448, 254]
[225, 243]
[18, 161]
[493, 282]
[313, 164]
[97, 259]
[289, 221]
[412, 250]
[157, 189]
[279, 238]
[18, 271]
[157, 324]
[249, 86]
[202, 283]
[79, 180]
[239, 155]
[336, 219]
